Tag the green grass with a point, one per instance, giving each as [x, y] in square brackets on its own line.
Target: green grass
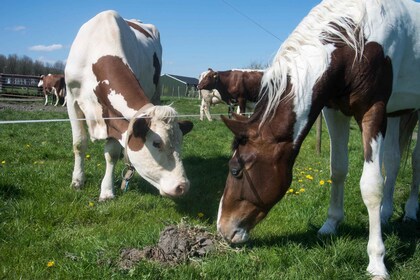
[42, 219]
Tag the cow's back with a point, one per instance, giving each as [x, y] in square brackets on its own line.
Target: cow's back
[108, 34]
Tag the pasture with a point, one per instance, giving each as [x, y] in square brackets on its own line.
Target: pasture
[50, 231]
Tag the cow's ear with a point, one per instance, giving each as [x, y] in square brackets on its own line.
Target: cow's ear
[140, 128]
[185, 126]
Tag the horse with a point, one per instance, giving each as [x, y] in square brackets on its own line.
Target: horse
[394, 146]
[236, 86]
[348, 58]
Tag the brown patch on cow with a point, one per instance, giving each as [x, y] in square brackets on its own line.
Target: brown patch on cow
[113, 74]
[139, 29]
[158, 69]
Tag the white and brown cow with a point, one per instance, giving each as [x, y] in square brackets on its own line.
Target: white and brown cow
[112, 74]
[53, 84]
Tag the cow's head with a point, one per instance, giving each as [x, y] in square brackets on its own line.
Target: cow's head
[41, 81]
[154, 149]
[208, 80]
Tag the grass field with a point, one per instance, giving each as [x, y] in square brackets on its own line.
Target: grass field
[50, 231]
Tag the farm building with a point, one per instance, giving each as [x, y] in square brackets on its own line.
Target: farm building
[178, 86]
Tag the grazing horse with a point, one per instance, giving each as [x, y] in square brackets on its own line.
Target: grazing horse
[234, 86]
[357, 58]
[394, 144]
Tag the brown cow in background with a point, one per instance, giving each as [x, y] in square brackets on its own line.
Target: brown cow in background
[53, 84]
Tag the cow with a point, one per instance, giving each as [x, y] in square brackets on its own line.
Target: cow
[112, 74]
[236, 86]
[53, 84]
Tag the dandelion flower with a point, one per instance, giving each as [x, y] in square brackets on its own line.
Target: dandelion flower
[309, 177]
[300, 180]
[200, 215]
[297, 192]
[321, 183]
[50, 264]
[3, 162]
[290, 191]
[302, 190]
[87, 156]
[329, 181]
[91, 204]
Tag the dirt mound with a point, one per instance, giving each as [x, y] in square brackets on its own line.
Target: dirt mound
[177, 244]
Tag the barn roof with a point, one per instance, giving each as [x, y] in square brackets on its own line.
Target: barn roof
[186, 80]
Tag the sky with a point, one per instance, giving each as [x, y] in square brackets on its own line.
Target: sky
[195, 34]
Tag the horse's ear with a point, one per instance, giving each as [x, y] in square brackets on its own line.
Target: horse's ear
[238, 128]
[239, 117]
[210, 69]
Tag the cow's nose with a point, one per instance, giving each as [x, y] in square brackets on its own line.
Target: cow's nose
[182, 188]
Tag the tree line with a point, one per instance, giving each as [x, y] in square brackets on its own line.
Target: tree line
[24, 65]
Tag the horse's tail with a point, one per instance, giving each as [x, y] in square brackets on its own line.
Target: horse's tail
[407, 124]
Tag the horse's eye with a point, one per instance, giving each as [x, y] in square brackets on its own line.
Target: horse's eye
[236, 172]
[157, 144]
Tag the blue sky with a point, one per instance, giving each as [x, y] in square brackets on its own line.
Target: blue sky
[195, 34]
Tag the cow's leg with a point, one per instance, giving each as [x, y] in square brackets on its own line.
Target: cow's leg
[57, 99]
[204, 109]
[392, 158]
[242, 105]
[412, 204]
[79, 143]
[207, 109]
[338, 128]
[46, 98]
[65, 101]
[112, 154]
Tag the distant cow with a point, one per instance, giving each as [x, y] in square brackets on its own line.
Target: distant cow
[53, 84]
[234, 86]
[112, 73]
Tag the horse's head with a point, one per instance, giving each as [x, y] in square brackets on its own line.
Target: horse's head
[208, 80]
[260, 172]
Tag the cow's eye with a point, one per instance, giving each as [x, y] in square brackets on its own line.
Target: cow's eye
[157, 144]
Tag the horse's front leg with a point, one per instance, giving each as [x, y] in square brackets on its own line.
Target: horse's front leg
[371, 186]
[338, 128]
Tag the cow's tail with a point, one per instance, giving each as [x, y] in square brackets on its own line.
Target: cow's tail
[407, 124]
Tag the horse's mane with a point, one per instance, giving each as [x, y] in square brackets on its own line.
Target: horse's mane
[332, 21]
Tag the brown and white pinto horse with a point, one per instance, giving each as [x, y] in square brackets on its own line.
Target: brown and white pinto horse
[235, 86]
[357, 58]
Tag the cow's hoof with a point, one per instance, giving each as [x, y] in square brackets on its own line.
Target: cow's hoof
[77, 185]
[106, 197]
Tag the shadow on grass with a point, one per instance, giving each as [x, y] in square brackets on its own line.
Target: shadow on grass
[207, 178]
[8, 191]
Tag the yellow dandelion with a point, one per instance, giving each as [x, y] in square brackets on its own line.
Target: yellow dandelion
[290, 191]
[87, 156]
[200, 215]
[298, 192]
[310, 168]
[91, 204]
[309, 177]
[3, 162]
[302, 172]
[302, 190]
[321, 183]
[329, 181]
[300, 180]
[28, 146]
[50, 264]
